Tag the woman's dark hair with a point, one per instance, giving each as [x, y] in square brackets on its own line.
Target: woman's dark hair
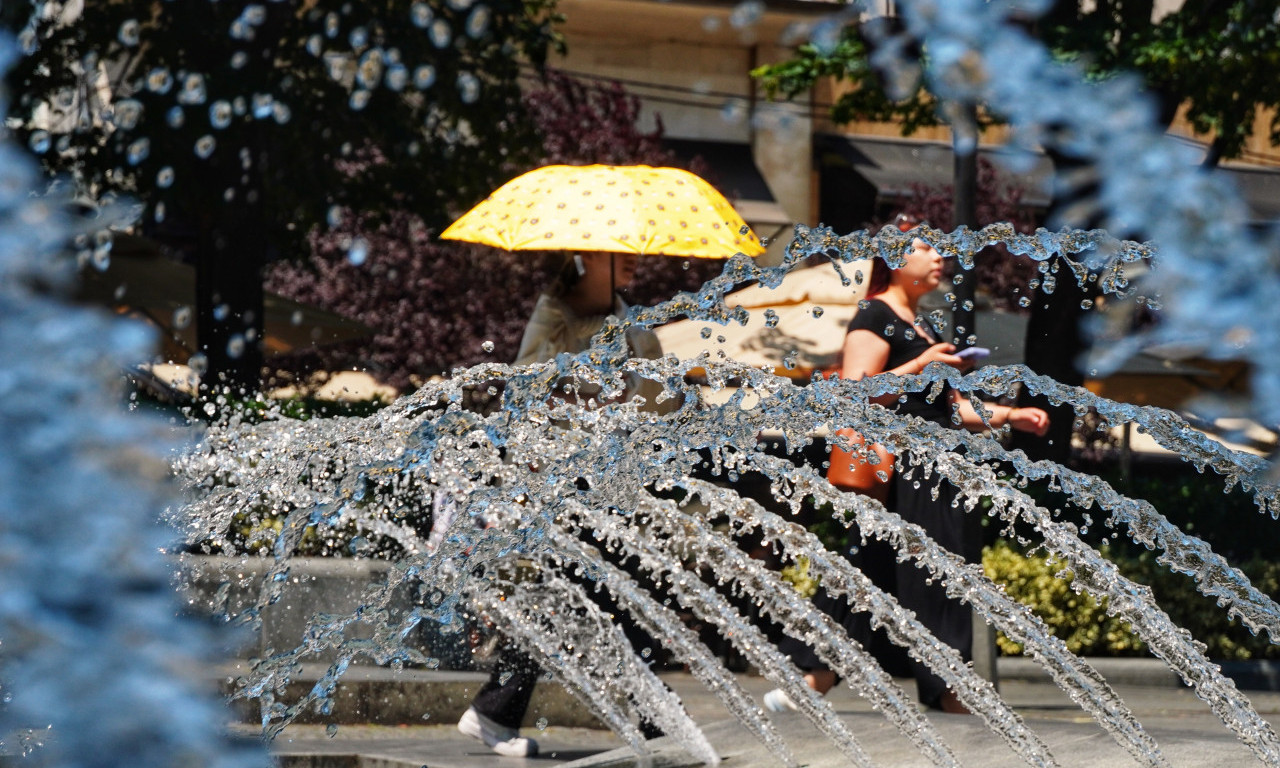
[566, 277]
[878, 283]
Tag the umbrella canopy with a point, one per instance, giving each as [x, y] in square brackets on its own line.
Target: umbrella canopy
[617, 208]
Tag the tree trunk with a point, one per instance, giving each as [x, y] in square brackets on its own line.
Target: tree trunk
[229, 299]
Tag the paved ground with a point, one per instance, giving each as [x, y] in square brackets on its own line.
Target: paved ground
[1183, 726]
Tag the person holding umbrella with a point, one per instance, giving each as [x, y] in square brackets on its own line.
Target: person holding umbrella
[604, 217]
[564, 319]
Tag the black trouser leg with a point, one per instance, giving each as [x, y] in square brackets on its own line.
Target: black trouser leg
[505, 696]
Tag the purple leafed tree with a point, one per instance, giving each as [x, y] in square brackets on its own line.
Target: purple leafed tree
[433, 304]
[1001, 275]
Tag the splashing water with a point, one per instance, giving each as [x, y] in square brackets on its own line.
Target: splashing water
[568, 485]
[546, 480]
[89, 620]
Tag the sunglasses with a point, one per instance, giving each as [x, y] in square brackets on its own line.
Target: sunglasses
[906, 222]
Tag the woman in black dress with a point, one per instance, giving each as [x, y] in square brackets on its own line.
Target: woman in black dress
[888, 335]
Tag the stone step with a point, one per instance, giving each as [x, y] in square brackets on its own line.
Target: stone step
[370, 695]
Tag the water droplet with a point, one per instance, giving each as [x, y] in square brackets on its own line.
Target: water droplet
[220, 114]
[236, 346]
[181, 318]
[126, 114]
[334, 215]
[205, 146]
[889, 329]
[128, 34]
[262, 106]
[358, 252]
[39, 142]
[770, 318]
[541, 724]
[424, 77]
[503, 678]
[193, 89]
[369, 71]
[421, 15]
[440, 33]
[138, 150]
[478, 22]
[468, 87]
[359, 100]
[198, 363]
[164, 177]
[487, 346]
[397, 77]
[817, 311]
[239, 59]
[1086, 304]
[220, 312]
[331, 730]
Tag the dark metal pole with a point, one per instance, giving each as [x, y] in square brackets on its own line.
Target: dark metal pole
[965, 206]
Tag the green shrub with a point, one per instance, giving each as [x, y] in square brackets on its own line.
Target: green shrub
[1078, 619]
[1083, 624]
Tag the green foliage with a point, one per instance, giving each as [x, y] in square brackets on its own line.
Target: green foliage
[1218, 57]
[300, 106]
[1077, 619]
[848, 61]
[1082, 622]
[797, 575]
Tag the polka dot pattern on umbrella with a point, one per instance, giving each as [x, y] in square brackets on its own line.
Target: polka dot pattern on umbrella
[622, 208]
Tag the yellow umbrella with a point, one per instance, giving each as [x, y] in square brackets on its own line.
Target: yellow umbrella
[618, 208]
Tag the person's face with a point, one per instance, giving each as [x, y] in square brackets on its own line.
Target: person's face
[624, 268]
[922, 271]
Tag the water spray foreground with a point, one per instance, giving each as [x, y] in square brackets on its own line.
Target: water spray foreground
[552, 488]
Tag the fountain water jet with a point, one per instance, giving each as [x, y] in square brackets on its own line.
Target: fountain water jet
[322, 475]
[543, 470]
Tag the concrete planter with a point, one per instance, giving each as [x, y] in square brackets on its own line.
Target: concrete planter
[367, 693]
[227, 586]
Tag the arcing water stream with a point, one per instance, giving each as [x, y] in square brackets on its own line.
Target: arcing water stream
[549, 480]
[540, 471]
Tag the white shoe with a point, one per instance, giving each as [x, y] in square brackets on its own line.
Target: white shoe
[501, 739]
[777, 700]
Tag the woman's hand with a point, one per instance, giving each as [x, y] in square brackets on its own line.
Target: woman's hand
[942, 353]
[1033, 420]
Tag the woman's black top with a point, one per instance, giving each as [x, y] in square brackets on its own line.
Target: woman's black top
[906, 343]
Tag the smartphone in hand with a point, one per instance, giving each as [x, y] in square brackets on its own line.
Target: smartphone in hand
[973, 353]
